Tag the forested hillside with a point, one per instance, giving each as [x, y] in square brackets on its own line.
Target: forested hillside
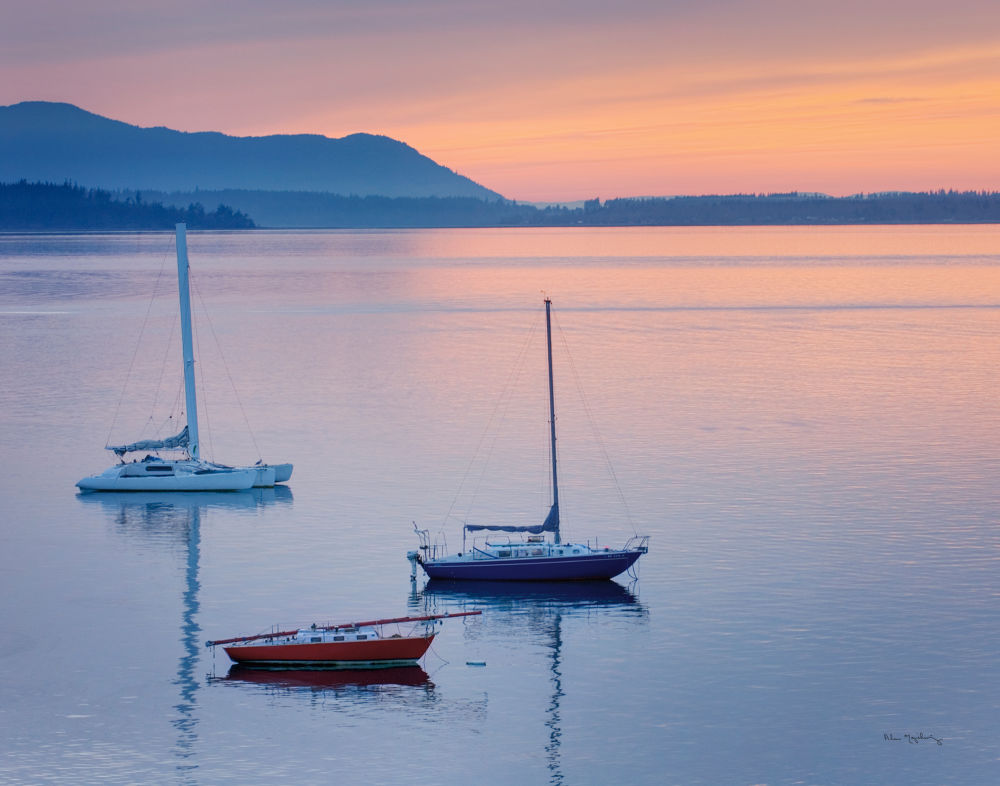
[49, 207]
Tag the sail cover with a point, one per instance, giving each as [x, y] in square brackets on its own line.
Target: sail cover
[551, 524]
[177, 441]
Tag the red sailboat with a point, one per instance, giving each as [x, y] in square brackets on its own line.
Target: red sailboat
[354, 645]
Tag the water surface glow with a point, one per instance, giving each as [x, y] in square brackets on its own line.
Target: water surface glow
[804, 420]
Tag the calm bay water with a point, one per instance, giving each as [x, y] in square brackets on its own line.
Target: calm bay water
[806, 421]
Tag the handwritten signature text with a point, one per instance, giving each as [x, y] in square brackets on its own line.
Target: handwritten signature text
[913, 739]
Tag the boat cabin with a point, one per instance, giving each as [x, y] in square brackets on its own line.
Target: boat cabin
[150, 465]
[327, 635]
[504, 548]
[531, 548]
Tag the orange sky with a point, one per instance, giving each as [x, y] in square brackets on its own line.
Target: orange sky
[551, 99]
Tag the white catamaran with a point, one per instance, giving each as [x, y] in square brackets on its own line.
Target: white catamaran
[189, 472]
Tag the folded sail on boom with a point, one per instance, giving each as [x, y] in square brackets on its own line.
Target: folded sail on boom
[551, 524]
[177, 441]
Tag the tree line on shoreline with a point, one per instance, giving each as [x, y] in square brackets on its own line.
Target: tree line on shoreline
[40, 207]
[48, 207]
[937, 207]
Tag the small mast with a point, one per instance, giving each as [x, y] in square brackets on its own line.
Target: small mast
[552, 420]
[190, 398]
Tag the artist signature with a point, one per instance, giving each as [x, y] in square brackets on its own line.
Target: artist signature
[913, 739]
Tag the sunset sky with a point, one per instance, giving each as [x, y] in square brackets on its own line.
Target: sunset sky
[548, 100]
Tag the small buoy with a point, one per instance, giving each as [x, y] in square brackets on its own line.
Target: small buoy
[475, 663]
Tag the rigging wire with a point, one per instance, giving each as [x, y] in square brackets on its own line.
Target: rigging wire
[593, 425]
[135, 352]
[174, 409]
[504, 401]
[229, 375]
[163, 365]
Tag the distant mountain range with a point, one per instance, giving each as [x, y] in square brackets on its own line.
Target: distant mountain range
[55, 142]
[65, 169]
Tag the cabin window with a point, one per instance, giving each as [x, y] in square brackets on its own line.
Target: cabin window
[576, 551]
[158, 468]
[362, 637]
[505, 553]
[338, 638]
[536, 552]
[316, 639]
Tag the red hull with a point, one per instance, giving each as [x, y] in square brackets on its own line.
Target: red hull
[378, 653]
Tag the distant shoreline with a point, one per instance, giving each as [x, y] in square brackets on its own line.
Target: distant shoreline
[68, 208]
[251, 230]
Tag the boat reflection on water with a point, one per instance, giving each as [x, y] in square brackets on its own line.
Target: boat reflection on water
[155, 509]
[406, 688]
[540, 608]
[575, 597]
[328, 679]
[173, 520]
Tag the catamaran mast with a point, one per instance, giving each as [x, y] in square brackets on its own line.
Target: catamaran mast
[190, 399]
[552, 419]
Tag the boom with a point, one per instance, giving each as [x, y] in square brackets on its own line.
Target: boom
[369, 624]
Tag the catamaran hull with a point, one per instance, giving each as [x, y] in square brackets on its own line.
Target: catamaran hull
[269, 474]
[376, 654]
[263, 477]
[577, 568]
[209, 481]
[282, 472]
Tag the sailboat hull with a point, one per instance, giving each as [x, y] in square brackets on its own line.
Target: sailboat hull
[380, 653]
[584, 567]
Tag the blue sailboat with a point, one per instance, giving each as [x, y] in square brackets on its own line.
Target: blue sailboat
[536, 557]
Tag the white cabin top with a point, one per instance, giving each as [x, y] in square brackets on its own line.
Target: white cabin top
[326, 635]
[317, 635]
[517, 549]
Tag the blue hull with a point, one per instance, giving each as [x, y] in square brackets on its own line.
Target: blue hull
[582, 568]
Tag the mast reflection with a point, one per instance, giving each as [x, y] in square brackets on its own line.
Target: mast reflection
[542, 606]
[173, 519]
[555, 718]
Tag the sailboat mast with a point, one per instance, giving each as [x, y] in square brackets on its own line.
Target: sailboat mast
[190, 399]
[552, 417]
